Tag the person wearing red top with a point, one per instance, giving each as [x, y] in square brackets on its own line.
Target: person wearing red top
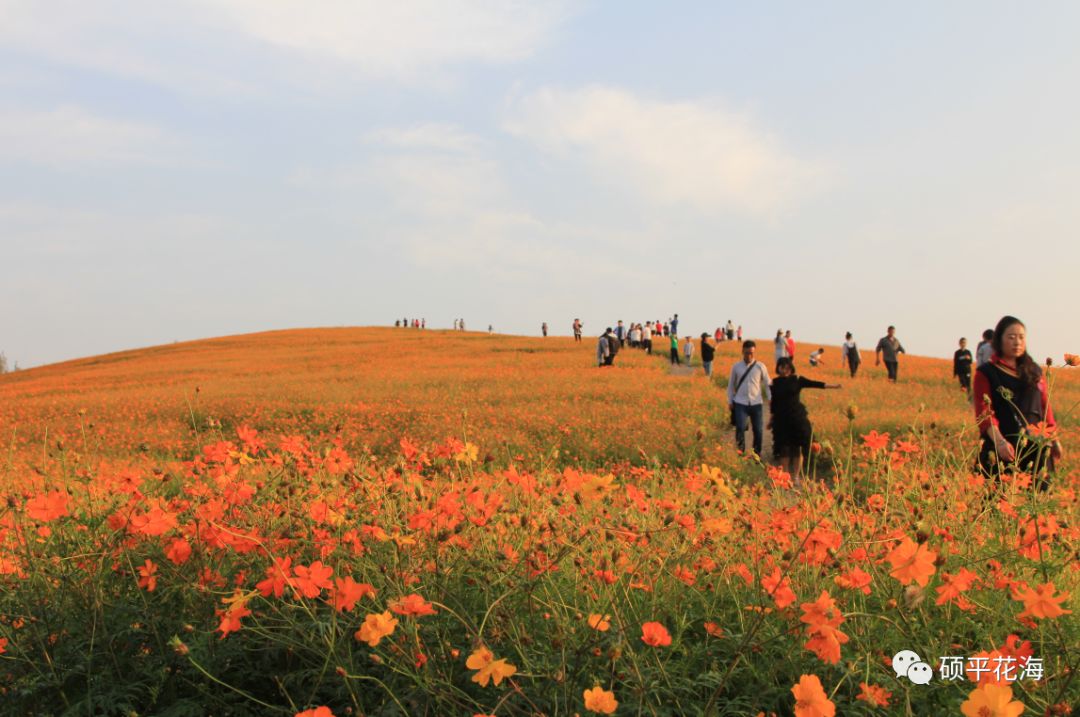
[790, 344]
[1012, 408]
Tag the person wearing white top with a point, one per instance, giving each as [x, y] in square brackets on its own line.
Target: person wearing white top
[849, 354]
[747, 387]
[646, 337]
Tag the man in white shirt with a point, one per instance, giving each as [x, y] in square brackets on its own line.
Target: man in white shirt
[747, 386]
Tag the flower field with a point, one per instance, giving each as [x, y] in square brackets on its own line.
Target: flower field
[398, 522]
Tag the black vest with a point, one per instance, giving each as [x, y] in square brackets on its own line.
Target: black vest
[1015, 403]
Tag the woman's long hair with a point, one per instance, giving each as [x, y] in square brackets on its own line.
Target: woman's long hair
[1026, 368]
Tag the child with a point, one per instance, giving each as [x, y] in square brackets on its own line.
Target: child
[788, 419]
[816, 357]
[961, 366]
[675, 350]
[688, 349]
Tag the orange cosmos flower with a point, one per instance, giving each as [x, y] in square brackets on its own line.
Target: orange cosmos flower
[412, 605]
[1041, 602]
[991, 701]
[854, 579]
[488, 668]
[376, 626]
[810, 698]
[3, 645]
[148, 575]
[602, 623]
[179, 551]
[230, 618]
[317, 712]
[823, 620]
[600, 701]
[655, 634]
[875, 441]
[780, 590]
[310, 580]
[47, 507]
[953, 585]
[347, 592]
[912, 562]
[713, 629]
[874, 695]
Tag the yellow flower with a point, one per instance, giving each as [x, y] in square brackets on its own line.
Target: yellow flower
[991, 700]
[600, 701]
[488, 668]
[376, 626]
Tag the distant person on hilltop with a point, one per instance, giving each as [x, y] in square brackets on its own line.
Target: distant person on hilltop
[603, 350]
[708, 353]
[779, 347]
[674, 342]
[577, 329]
[646, 337]
[1011, 402]
[719, 334]
[543, 329]
[730, 330]
[620, 333]
[675, 325]
[961, 366]
[738, 333]
[748, 382]
[985, 350]
[397, 323]
[790, 344]
[889, 348]
[849, 354]
[788, 419]
[688, 350]
[635, 336]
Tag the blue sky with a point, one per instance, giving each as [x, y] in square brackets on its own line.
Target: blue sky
[191, 168]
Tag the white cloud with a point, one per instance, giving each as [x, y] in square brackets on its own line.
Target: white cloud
[672, 153]
[425, 136]
[231, 47]
[71, 134]
[400, 37]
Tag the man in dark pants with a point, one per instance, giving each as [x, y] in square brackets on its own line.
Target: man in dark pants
[747, 387]
[888, 349]
[961, 366]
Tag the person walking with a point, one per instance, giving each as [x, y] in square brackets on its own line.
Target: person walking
[674, 342]
[620, 333]
[708, 353]
[849, 354]
[543, 329]
[748, 382]
[961, 366]
[738, 333]
[603, 350]
[688, 350]
[889, 348]
[790, 344]
[779, 347]
[730, 330]
[1012, 408]
[577, 330]
[790, 424]
[985, 350]
[675, 325]
[613, 347]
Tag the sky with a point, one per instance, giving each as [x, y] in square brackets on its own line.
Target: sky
[183, 169]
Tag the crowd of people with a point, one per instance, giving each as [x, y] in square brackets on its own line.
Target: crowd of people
[1012, 430]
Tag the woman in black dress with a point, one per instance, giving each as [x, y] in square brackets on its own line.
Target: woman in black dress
[790, 425]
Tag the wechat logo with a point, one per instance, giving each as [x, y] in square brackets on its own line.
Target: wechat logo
[907, 663]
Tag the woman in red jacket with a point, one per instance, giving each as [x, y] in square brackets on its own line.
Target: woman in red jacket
[1013, 410]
